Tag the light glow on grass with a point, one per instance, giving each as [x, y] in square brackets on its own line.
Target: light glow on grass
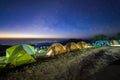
[115, 45]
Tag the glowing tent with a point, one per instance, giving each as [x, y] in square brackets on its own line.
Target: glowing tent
[114, 42]
[101, 43]
[97, 44]
[41, 51]
[19, 54]
[119, 41]
[105, 43]
[55, 49]
[84, 44]
[79, 45]
[71, 46]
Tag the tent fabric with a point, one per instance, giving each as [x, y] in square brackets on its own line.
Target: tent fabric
[56, 49]
[71, 46]
[29, 49]
[105, 43]
[20, 54]
[97, 44]
[114, 42]
[41, 51]
[49, 53]
[84, 44]
[119, 41]
[79, 45]
[2, 61]
[101, 43]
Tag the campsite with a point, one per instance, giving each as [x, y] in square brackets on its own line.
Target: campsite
[72, 61]
[59, 39]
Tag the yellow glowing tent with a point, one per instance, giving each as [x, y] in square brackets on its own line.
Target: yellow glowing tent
[71, 46]
[114, 42]
[56, 49]
[19, 54]
[79, 45]
[84, 44]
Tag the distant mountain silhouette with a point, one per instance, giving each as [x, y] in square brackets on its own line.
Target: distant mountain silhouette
[70, 40]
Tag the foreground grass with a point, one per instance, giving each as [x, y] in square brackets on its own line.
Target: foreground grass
[77, 65]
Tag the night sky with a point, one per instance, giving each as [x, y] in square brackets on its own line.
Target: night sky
[58, 18]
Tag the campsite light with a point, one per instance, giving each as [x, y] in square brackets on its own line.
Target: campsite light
[89, 44]
[36, 49]
[41, 47]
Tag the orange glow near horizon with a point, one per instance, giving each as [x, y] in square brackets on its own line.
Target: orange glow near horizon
[30, 36]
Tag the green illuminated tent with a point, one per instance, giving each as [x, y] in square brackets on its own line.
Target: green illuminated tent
[41, 51]
[19, 54]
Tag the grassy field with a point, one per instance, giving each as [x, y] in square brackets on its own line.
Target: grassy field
[83, 64]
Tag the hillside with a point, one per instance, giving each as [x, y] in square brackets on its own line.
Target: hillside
[86, 64]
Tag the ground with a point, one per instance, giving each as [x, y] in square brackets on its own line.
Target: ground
[87, 64]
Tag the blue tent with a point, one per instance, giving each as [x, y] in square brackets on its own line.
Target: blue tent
[102, 43]
[119, 41]
[106, 43]
[98, 43]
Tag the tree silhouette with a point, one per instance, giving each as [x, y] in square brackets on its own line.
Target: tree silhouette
[112, 38]
[100, 37]
[118, 36]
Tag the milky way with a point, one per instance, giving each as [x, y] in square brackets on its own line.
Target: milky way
[59, 18]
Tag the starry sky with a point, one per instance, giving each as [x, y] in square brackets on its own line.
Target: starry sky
[58, 18]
